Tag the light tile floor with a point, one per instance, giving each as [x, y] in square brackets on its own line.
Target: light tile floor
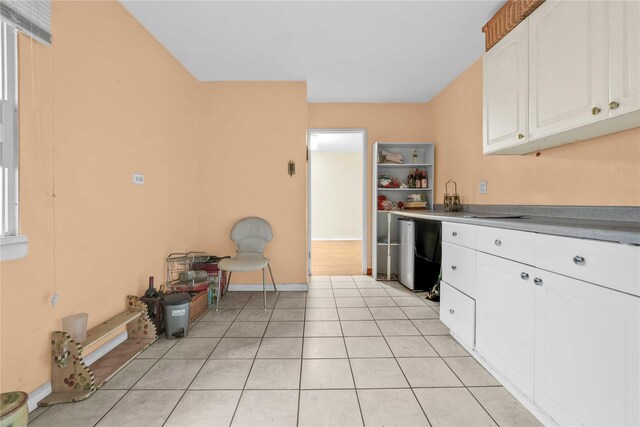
[350, 352]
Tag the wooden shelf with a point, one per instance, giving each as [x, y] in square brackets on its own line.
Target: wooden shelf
[384, 226]
[71, 379]
[105, 328]
[109, 364]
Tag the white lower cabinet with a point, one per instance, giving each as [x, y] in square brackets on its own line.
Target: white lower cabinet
[458, 312]
[504, 322]
[459, 268]
[587, 359]
[569, 343]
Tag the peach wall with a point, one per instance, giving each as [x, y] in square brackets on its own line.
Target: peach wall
[384, 122]
[104, 101]
[248, 132]
[600, 171]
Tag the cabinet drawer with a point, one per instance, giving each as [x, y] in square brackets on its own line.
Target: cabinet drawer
[458, 312]
[510, 244]
[459, 268]
[613, 265]
[460, 234]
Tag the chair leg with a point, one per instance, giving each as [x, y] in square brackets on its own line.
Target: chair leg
[272, 281]
[264, 289]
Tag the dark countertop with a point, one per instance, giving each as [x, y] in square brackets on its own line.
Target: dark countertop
[626, 232]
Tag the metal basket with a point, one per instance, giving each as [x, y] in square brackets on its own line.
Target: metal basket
[452, 201]
[179, 262]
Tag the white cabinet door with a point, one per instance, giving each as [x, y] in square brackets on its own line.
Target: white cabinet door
[504, 318]
[624, 57]
[587, 359]
[568, 65]
[505, 85]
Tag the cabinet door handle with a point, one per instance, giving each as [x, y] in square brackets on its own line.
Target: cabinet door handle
[451, 311]
[613, 105]
[498, 242]
[524, 276]
[520, 136]
[537, 281]
[595, 111]
[454, 268]
[454, 234]
[578, 260]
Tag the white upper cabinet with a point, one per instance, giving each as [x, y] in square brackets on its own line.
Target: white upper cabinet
[582, 73]
[624, 54]
[568, 64]
[505, 81]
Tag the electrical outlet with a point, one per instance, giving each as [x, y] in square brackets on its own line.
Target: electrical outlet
[483, 187]
[138, 178]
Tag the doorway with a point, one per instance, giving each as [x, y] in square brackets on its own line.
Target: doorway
[337, 223]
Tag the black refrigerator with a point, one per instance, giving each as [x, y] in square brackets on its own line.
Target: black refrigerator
[420, 253]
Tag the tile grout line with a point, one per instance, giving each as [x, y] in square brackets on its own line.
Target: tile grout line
[401, 370]
[235, 411]
[304, 325]
[133, 385]
[197, 373]
[469, 391]
[253, 361]
[441, 357]
[346, 349]
[201, 367]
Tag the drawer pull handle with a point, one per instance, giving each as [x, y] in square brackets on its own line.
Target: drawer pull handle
[537, 281]
[524, 276]
[454, 234]
[578, 260]
[451, 311]
[454, 268]
[498, 243]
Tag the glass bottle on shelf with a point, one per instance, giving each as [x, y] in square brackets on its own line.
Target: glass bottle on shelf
[425, 181]
[415, 156]
[418, 179]
[151, 291]
[410, 179]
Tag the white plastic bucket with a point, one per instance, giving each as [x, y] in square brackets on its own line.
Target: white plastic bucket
[76, 326]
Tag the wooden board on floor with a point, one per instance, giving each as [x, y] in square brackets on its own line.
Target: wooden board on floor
[336, 257]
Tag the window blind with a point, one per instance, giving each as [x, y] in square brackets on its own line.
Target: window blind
[32, 17]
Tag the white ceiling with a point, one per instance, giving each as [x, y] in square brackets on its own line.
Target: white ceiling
[347, 51]
[336, 142]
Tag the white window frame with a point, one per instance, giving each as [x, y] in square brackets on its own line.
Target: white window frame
[12, 244]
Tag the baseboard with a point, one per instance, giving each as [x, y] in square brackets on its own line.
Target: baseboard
[105, 348]
[45, 389]
[285, 287]
[337, 239]
[542, 416]
[38, 394]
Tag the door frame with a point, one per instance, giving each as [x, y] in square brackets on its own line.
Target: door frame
[365, 142]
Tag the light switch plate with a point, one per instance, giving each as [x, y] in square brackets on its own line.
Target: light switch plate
[483, 187]
[138, 178]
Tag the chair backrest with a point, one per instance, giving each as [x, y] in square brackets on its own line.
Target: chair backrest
[251, 235]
